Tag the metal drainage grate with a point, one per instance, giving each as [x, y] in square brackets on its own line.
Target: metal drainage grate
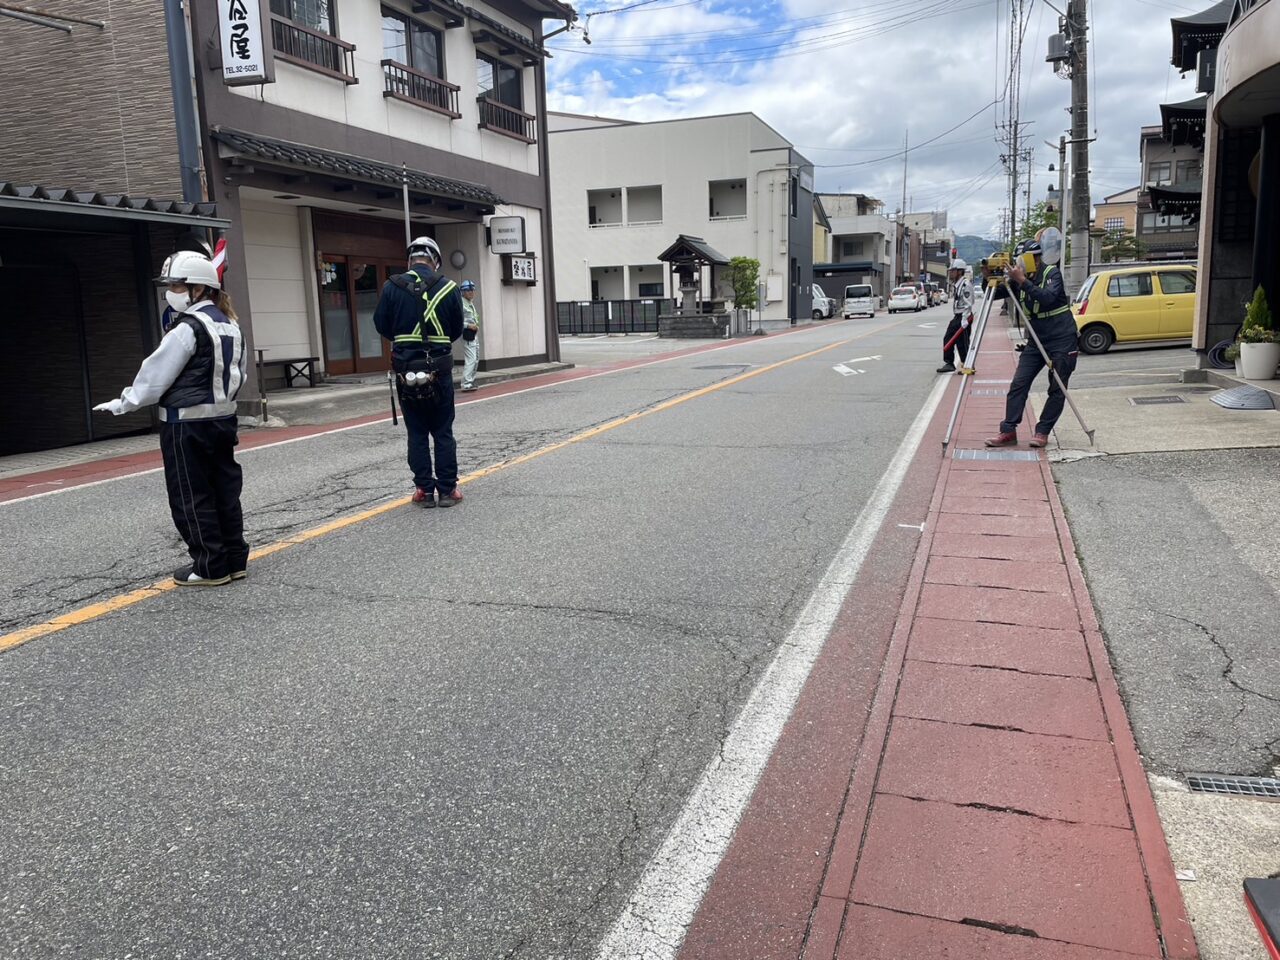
[1262, 788]
[986, 393]
[1024, 455]
[1153, 401]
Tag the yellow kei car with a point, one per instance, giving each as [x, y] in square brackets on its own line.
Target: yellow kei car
[1132, 304]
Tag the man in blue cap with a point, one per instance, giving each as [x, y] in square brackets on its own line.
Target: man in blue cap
[470, 331]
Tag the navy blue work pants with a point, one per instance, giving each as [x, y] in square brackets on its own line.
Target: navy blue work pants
[204, 483]
[428, 423]
[1064, 351]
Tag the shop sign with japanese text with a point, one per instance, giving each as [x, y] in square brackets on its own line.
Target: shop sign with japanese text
[246, 57]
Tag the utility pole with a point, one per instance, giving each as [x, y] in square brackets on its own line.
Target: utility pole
[902, 220]
[184, 101]
[1077, 26]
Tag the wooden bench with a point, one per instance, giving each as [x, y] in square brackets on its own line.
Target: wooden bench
[293, 367]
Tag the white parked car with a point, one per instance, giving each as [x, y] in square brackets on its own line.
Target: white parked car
[859, 298]
[824, 308]
[906, 298]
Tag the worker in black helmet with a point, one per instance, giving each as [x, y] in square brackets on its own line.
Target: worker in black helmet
[1039, 288]
[420, 312]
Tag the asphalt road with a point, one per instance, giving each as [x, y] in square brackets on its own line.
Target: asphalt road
[451, 733]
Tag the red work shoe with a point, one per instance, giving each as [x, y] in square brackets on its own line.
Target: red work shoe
[1003, 439]
[450, 498]
[1039, 440]
[424, 498]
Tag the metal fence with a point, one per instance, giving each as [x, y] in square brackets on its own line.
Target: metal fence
[610, 316]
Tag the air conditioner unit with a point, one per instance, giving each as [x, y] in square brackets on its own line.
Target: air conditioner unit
[1059, 52]
[1206, 70]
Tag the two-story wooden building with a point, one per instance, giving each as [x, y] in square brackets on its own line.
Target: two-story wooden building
[369, 95]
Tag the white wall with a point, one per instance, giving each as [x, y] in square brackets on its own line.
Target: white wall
[683, 157]
[277, 278]
[363, 105]
[512, 318]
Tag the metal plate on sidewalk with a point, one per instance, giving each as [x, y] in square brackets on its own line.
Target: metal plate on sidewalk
[1023, 455]
[1260, 788]
[1153, 401]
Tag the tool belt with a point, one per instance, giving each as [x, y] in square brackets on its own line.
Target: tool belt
[420, 376]
[469, 333]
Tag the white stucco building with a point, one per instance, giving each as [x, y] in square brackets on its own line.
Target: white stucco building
[624, 191]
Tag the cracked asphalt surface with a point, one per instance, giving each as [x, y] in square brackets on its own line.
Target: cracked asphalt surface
[448, 734]
[1180, 557]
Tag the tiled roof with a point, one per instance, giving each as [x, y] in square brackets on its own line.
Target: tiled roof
[357, 168]
[688, 248]
[118, 200]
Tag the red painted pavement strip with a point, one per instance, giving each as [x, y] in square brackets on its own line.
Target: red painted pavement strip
[1171, 912]
[1029, 649]
[999, 768]
[996, 526]
[1032, 575]
[1031, 702]
[1079, 883]
[995, 506]
[875, 934]
[983, 545]
[764, 892]
[25, 484]
[994, 605]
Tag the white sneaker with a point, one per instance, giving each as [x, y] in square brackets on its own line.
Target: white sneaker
[187, 577]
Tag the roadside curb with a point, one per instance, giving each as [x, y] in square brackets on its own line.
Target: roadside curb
[1172, 922]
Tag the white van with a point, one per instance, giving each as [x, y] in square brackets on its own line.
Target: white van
[859, 298]
[823, 306]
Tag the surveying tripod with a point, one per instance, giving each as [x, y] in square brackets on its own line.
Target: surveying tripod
[975, 343]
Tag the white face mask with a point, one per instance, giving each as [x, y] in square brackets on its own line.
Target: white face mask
[179, 301]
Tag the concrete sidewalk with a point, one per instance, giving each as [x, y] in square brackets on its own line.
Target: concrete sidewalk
[998, 807]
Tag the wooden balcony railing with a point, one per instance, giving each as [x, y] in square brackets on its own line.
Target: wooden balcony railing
[508, 121]
[421, 89]
[312, 49]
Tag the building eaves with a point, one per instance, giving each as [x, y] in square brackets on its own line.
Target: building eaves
[90, 202]
[303, 157]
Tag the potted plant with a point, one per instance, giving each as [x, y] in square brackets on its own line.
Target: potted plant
[1232, 355]
[1259, 341]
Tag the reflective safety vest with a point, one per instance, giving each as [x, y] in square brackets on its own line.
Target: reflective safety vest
[207, 386]
[1033, 306]
[435, 332]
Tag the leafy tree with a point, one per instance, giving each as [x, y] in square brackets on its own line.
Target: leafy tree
[744, 278]
[1035, 221]
[1120, 245]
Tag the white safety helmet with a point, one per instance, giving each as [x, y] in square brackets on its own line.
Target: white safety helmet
[187, 266]
[959, 264]
[425, 246]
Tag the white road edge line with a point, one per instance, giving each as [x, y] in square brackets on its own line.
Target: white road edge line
[653, 924]
[387, 419]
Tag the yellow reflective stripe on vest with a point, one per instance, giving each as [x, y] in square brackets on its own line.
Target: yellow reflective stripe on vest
[430, 316]
[1035, 306]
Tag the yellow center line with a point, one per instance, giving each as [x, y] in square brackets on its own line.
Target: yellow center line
[94, 611]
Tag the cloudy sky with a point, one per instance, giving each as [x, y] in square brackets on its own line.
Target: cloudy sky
[843, 80]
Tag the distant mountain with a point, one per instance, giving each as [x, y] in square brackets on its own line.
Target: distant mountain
[971, 249]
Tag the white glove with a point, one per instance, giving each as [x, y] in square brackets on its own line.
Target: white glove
[111, 406]
[964, 323]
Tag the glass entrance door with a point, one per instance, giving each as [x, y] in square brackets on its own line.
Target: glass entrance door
[349, 291]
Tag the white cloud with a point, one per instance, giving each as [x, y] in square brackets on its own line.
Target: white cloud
[853, 100]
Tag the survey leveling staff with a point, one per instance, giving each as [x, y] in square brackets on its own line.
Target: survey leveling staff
[194, 376]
